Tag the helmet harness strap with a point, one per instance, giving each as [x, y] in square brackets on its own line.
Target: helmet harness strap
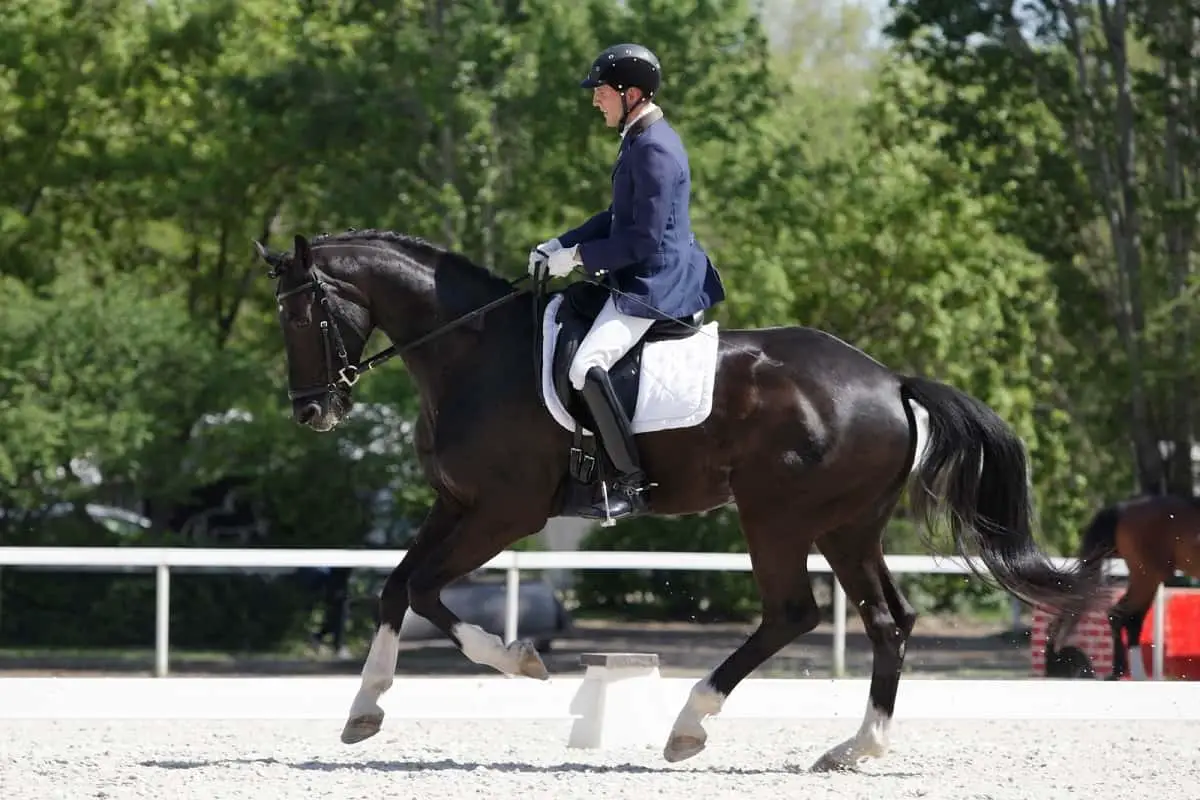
[626, 110]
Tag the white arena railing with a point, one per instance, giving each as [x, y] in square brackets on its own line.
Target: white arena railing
[163, 559]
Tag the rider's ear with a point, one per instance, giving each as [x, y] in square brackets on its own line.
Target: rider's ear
[302, 255]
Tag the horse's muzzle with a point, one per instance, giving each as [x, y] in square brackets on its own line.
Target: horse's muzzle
[308, 413]
[322, 413]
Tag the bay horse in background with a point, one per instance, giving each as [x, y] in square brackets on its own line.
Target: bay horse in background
[1156, 535]
[812, 439]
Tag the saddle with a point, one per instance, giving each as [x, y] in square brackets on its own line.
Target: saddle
[581, 304]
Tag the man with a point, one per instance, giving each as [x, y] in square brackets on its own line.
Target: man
[643, 247]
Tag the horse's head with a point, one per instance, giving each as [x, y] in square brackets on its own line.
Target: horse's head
[325, 326]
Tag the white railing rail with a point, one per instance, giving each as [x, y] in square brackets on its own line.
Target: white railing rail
[163, 559]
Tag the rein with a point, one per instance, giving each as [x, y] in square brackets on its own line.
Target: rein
[392, 351]
[348, 374]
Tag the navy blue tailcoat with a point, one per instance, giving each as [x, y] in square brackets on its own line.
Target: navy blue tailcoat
[643, 241]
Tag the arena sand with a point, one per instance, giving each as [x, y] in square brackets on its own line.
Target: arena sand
[528, 759]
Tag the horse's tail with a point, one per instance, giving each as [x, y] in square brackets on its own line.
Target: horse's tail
[1098, 543]
[973, 468]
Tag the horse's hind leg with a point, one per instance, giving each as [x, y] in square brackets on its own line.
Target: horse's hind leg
[779, 558]
[379, 668]
[856, 556]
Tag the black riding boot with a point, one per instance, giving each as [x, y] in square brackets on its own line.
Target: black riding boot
[625, 495]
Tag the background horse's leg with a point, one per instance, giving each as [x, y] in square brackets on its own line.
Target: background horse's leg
[779, 557]
[476, 539]
[1120, 656]
[366, 717]
[1128, 614]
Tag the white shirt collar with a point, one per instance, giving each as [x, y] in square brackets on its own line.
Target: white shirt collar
[642, 111]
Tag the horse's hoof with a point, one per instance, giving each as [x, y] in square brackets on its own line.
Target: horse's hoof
[681, 747]
[364, 726]
[529, 663]
[828, 763]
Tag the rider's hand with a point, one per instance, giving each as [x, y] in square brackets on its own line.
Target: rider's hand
[562, 261]
[539, 254]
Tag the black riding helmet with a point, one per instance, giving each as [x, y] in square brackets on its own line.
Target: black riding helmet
[622, 66]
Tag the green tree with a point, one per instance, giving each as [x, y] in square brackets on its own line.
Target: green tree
[1117, 85]
[92, 373]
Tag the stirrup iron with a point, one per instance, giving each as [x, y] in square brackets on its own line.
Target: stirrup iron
[609, 521]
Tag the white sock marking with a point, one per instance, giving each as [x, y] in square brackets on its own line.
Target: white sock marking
[485, 648]
[378, 672]
[870, 740]
[703, 701]
[1137, 670]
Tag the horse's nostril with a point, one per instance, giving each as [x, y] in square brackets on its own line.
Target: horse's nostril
[308, 412]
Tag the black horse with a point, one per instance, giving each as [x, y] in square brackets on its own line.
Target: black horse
[814, 440]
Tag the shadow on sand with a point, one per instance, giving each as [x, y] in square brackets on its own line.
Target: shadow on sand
[451, 765]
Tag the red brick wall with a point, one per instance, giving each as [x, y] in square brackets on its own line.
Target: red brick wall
[1092, 635]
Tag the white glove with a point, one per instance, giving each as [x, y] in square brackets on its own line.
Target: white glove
[561, 261]
[538, 254]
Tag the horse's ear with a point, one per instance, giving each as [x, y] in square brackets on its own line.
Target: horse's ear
[274, 260]
[262, 252]
[303, 253]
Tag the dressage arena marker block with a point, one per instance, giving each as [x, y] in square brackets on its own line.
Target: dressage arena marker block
[618, 703]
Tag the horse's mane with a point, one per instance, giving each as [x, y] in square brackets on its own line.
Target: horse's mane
[457, 261]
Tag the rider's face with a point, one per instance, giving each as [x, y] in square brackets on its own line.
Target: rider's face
[608, 100]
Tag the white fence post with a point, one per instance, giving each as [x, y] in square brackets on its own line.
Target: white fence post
[1160, 626]
[162, 619]
[839, 629]
[512, 601]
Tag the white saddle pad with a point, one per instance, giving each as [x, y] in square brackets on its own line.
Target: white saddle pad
[675, 389]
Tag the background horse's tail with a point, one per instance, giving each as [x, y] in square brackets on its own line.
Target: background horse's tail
[975, 471]
[1099, 542]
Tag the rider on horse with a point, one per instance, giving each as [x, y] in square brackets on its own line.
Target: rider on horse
[641, 248]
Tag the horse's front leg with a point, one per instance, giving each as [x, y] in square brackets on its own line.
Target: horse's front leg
[481, 533]
[366, 716]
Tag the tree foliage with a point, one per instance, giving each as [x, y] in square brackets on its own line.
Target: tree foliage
[1104, 181]
[977, 200]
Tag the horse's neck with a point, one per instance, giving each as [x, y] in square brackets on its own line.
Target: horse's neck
[416, 300]
[403, 301]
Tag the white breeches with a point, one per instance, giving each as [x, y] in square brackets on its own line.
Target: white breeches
[613, 334]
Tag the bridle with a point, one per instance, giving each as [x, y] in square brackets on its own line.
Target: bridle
[331, 338]
[346, 374]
